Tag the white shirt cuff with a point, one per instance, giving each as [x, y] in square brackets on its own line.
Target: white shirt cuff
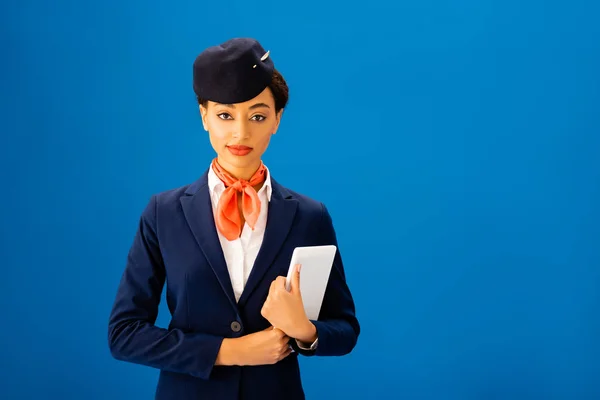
[313, 346]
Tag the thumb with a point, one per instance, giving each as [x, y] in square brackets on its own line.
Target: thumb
[296, 279]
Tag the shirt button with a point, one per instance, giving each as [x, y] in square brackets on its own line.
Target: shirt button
[235, 326]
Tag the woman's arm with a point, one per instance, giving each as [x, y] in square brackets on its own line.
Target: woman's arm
[337, 328]
[132, 335]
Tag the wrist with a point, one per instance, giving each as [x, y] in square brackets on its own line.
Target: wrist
[228, 353]
[308, 334]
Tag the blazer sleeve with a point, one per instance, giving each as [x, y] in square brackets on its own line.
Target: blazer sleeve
[132, 335]
[337, 327]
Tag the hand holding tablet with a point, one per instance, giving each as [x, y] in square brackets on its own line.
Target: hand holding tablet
[316, 263]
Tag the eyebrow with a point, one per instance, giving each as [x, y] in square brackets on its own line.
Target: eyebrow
[252, 107]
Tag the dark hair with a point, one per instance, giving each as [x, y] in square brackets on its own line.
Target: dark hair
[278, 87]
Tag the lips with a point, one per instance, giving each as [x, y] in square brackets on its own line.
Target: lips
[240, 147]
[239, 150]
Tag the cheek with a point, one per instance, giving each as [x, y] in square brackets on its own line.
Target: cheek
[263, 139]
[218, 135]
[264, 133]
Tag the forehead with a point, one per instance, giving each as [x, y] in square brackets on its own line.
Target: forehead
[265, 97]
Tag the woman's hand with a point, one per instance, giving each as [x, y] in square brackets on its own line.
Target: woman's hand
[268, 346]
[285, 310]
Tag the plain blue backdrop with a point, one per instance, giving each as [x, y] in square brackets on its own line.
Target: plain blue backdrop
[456, 144]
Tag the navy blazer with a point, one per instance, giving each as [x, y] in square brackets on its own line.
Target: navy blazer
[177, 243]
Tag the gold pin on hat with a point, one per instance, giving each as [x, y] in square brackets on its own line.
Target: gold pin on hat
[264, 57]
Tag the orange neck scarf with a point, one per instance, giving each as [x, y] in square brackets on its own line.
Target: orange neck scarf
[228, 219]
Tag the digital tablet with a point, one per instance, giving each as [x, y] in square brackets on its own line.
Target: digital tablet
[316, 264]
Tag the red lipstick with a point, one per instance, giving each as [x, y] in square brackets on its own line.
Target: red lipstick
[239, 150]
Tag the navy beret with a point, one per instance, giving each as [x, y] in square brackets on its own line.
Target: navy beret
[232, 72]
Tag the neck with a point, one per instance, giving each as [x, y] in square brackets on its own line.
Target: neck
[239, 173]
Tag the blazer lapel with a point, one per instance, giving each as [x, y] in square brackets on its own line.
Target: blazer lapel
[280, 218]
[197, 208]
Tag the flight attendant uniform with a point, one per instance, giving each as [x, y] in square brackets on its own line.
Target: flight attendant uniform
[216, 284]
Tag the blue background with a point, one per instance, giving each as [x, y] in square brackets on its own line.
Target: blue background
[456, 144]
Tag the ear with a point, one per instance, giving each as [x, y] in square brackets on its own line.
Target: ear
[278, 119]
[203, 113]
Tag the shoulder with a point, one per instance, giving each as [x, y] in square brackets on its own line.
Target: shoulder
[306, 204]
[171, 196]
[315, 211]
[162, 201]
[168, 201]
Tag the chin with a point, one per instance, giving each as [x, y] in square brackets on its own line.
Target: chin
[239, 161]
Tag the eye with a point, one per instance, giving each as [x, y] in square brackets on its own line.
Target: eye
[258, 117]
[224, 116]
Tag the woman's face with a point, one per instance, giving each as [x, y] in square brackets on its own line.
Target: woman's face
[240, 133]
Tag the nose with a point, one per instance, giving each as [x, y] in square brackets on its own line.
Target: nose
[242, 129]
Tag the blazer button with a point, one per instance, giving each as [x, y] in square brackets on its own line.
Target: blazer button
[235, 326]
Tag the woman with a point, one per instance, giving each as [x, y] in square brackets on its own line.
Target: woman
[223, 246]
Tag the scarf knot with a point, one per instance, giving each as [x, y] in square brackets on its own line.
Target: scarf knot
[228, 218]
[240, 185]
